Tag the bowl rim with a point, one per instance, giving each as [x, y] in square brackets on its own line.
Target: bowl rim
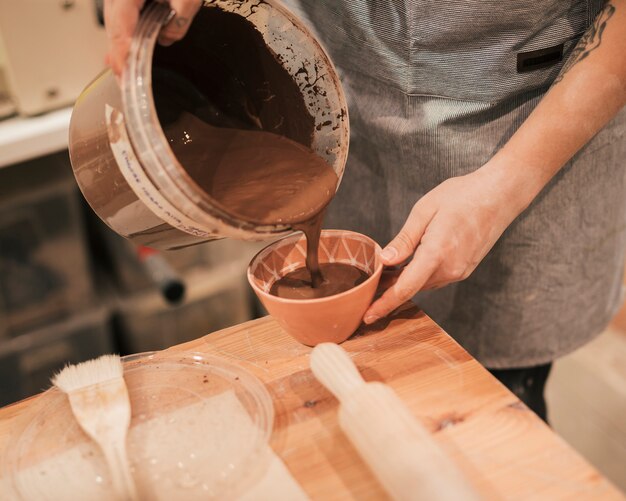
[297, 236]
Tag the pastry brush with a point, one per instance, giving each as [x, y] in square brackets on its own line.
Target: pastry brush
[99, 400]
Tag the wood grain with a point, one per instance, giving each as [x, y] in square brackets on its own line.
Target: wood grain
[503, 448]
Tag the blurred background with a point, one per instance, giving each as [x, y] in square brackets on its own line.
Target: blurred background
[71, 289]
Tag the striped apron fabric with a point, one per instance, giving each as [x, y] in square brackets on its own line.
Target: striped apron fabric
[433, 92]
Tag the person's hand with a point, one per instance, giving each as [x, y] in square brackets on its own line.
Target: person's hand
[120, 19]
[447, 234]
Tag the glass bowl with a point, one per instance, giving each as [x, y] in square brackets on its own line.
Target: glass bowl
[199, 430]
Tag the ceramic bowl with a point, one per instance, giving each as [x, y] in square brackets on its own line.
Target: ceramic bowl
[329, 319]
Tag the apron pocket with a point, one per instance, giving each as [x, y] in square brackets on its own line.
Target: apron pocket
[492, 50]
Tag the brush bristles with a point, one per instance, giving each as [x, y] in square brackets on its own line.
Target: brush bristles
[98, 370]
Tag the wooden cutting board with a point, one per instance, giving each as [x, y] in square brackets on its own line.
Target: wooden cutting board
[501, 446]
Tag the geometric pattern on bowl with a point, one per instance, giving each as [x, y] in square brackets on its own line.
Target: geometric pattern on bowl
[289, 254]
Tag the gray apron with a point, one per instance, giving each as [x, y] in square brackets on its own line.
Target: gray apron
[434, 91]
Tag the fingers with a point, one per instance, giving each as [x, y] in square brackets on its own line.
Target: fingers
[120, 18]
[403, 286]
[410, 281]
[179, 24]
[406, 241]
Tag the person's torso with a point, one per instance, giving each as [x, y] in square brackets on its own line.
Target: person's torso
[476, 50]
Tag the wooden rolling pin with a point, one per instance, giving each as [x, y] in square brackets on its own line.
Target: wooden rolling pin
[399, 450]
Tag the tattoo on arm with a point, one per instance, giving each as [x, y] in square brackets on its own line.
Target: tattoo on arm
[590, 41]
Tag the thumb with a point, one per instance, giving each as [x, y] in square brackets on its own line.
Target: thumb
[179, 24]
[405, 242]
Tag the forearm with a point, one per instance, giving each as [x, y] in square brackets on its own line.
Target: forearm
[590, 90]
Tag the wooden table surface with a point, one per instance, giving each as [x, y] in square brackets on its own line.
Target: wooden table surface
[503, 448]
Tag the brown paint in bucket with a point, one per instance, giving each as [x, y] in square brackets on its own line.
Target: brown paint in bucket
[244, 140]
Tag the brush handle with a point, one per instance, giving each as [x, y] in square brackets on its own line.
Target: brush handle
[398, 449]
[103, 412]
[119, 467]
